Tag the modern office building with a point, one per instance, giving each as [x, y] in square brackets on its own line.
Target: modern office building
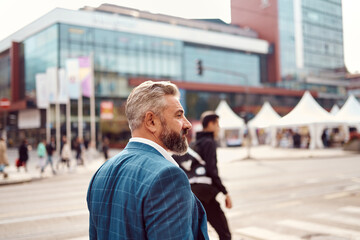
[307, 39]
[129, 46]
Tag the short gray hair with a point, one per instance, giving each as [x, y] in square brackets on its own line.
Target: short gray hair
[148, 96]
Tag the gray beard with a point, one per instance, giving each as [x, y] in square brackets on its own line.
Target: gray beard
[173, 141]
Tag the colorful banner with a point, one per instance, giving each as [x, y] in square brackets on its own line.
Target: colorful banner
[72, 76]
[42, 99]
[106, 110]
[80, 77]
[85, 75]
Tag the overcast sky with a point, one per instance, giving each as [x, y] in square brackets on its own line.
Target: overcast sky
[15, 14]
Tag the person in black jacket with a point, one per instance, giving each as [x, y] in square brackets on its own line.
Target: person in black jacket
[201, 169]
[23, 155]
[50, 149]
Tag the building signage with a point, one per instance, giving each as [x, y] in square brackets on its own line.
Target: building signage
[4, 103]
[107, 110]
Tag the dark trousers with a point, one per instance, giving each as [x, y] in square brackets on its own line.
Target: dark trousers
[214, 213]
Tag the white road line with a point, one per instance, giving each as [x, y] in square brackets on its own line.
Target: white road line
[287, 204]
[338, 218]
[42, 217]
[336, 195]
[350, 209]
[320, 228]
[357, 180]
[79, 238]
[352, 187]
[260, 233]
[312, 180]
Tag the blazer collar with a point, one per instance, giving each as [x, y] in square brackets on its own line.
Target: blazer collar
[160, 149]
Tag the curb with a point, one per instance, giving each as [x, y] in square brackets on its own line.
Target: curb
[15, 177]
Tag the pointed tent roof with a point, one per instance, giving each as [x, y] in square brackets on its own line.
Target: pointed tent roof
[228, 119]
[307, 111]
[265, 117]
[335, 109]
[350, 112]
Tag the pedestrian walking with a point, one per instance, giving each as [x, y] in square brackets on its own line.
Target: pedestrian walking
[142, 193]
[65, 152]
[79, 151]
[50, 149]
[105, 148]
[3, 157]
[23, 155]
[205, 180]
[41, 152]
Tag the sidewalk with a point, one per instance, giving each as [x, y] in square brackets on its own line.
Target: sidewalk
[94, 160]
[270, 153]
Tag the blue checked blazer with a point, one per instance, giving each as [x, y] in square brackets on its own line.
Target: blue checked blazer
[138, 194]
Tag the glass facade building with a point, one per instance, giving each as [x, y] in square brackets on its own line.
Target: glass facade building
[322, 34]
[222, 66]
[311, 38]
[122, 50]
[119, 55]
[307, 38]
[5, 75]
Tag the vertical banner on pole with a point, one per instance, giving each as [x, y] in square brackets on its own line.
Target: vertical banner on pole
[73, 81]
[64, 98]
[85, 74]
[42, 100]
[51, 75]
[72, 76]
[63, 95]
[79, 75]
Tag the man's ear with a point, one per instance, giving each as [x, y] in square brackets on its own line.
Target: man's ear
[151, 122]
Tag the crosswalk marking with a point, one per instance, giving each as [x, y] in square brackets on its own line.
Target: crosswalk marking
[79, 238]
[320, 228]
[338, 218]
[351, 209]
[264, 234]
[46, 216]
[312, 180]
[287, 204]
[336, 195]
[357, 180]
[352, 187]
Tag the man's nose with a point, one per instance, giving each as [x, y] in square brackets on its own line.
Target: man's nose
[187, 124]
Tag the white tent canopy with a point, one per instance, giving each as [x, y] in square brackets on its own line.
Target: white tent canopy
[228, 120]
[309, 113]
[350, 112]
[335, 109]
[265, 118]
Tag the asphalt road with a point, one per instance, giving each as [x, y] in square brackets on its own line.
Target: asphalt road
[312, 198]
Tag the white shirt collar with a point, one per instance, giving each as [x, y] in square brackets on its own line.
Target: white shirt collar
[156, 146]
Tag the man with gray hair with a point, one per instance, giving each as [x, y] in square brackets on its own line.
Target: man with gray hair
[141, 193]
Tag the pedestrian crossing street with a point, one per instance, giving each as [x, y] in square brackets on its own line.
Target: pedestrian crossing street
[343, 224]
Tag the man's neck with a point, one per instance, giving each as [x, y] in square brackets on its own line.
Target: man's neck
[140, 133]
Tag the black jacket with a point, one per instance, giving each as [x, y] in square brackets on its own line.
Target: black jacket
[205, 146]
[23, 153]
[50, 148]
